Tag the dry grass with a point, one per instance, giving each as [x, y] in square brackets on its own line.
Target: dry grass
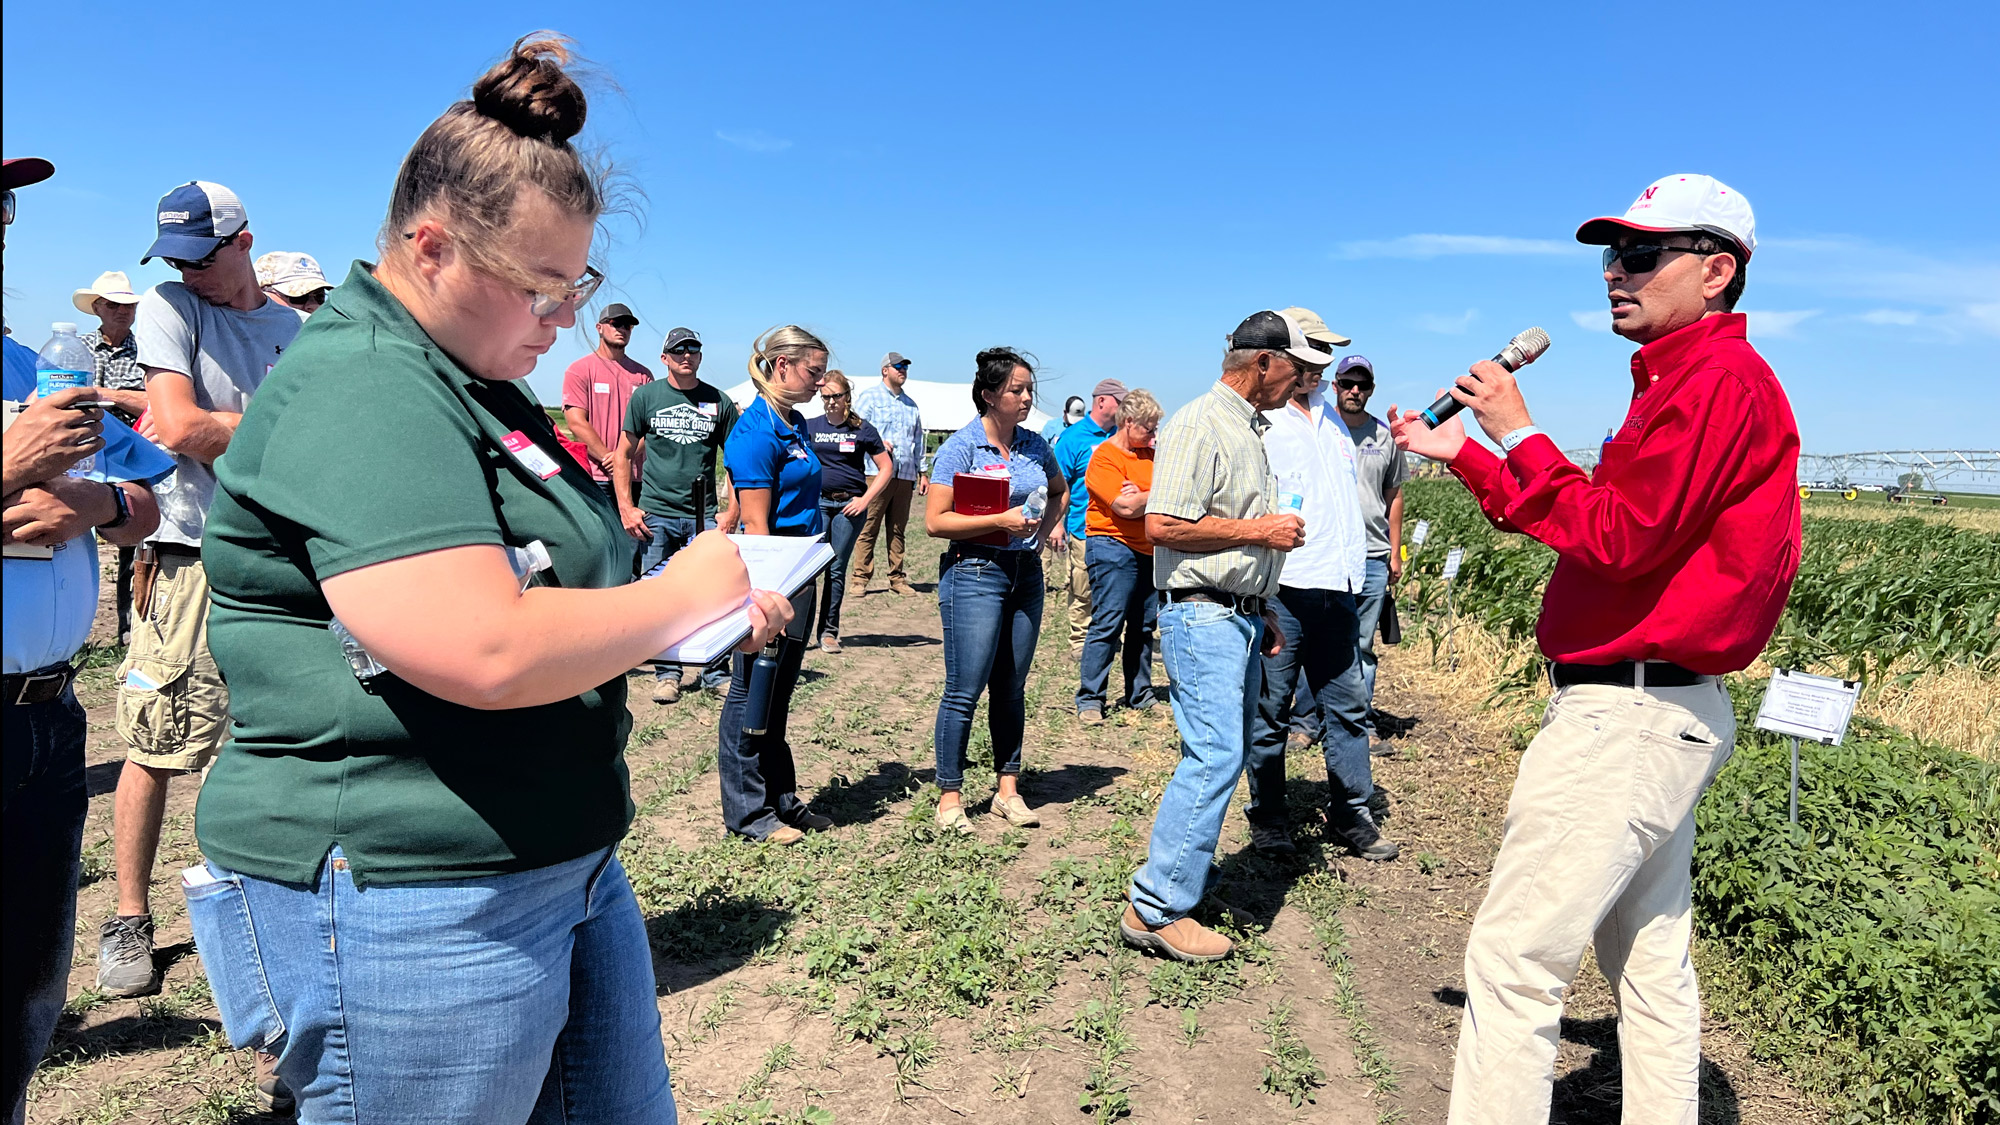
[1958, 707]
[1977, 519]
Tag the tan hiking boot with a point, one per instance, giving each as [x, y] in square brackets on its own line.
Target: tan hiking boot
[785, 836]
[830, 644]
[902, 588]
[1016, 812]
[666, 691]
[1182, 939]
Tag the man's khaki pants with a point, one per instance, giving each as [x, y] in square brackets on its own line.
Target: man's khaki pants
[173, 710]
[891, 507]
[1598, 839]
[1076, 595]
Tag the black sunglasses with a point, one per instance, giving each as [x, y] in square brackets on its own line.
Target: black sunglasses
[683, 349]
[903, 366]
[202, 262]
[1643, 258]
[1353, 385]
[315, 298]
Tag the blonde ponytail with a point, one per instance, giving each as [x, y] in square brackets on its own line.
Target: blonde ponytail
[789, 341]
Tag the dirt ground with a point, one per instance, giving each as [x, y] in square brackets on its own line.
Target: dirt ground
[772, 1014]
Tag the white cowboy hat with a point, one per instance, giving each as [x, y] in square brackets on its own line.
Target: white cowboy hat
[112, 285]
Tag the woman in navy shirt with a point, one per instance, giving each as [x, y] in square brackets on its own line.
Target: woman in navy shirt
[843, 440]
[990, 596]
[776, 476]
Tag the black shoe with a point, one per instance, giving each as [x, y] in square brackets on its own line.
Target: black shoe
[1360, 837]
[1378, 803]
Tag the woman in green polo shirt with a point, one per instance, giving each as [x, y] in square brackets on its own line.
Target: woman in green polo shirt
[411, 895]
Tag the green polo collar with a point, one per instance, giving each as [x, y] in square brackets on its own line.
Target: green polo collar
[364, 299]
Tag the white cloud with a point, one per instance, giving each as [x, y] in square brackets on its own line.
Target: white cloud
[1420, 246]
[1775, 323]
[1447, 325]
[1596, 320]
[752, 140]
[1902, 318]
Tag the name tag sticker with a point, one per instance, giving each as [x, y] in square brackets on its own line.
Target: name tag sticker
[847, 447]
[601, 388]
[531, 455]
[707, 408]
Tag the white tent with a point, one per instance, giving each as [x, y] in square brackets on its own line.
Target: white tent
[946, 407]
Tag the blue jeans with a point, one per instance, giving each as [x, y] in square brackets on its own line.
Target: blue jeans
[670, 534]
[1319, 641]
[758, 775]
[991, 604]
[43, 829]
[841, 532]
[1368, 614]
[526, 997]
[1123, 610]
[1211, 656]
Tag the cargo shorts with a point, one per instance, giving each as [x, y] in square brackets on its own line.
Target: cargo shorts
[173, 710]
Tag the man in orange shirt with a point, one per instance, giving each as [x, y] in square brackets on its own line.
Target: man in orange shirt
[1120, 559]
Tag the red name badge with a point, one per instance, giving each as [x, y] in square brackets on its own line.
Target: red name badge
[531, 455]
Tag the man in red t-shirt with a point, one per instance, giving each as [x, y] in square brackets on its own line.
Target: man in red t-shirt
[596, 389]
[1674, 560]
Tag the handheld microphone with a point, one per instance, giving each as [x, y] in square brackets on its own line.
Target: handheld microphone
[1520, 351]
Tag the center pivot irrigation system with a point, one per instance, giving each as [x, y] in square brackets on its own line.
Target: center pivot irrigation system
[1915, 475]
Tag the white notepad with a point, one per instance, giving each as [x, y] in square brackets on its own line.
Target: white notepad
[780, 563]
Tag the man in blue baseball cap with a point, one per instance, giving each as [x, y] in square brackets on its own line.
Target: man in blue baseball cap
[206, 342]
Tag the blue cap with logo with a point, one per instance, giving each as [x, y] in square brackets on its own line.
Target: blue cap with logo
[1354, 362]
[194, 219]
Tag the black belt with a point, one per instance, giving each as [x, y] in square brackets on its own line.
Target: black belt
[38, 686]
[963, 550]
[177, 551]
[1249, 605]
[1625, 673]
[838, 496]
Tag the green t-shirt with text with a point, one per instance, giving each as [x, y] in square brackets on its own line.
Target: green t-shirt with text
[682, 432]
[367, 444]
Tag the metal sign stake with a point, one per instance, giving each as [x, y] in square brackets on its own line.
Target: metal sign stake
[1795, 779]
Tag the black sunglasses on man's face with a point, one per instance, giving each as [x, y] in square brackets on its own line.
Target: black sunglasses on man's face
[200, 263]
[1642, 258]
[685, 349]
[1353, 385]
[904, 366]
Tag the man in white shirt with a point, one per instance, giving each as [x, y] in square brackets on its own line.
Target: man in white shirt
[1312, 458]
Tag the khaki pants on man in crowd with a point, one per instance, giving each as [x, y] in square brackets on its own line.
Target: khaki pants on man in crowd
[173, 712]
[1076, 592]
[891, 509]
[1596, 850]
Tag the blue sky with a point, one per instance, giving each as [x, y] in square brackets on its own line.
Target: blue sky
[1113, 187]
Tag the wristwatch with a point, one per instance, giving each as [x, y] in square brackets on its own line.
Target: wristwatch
[1516, 437]
[124, 515]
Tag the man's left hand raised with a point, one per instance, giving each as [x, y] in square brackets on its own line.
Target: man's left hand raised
[1494, 397]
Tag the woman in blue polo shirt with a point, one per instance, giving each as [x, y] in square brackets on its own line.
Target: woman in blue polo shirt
[776, 475]
[990, 594]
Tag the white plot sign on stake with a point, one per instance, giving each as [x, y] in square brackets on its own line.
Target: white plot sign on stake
[1453, 559]
[1420, 533]
[1807, 706]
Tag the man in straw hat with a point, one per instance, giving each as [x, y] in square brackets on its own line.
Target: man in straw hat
[111, 300]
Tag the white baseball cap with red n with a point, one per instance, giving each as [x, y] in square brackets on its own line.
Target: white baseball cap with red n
[1680, 202]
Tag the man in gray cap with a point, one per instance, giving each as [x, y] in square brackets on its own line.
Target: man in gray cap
[598, 387]
[1073, 450]
[895, 416]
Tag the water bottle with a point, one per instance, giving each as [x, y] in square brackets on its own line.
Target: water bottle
[65, 362]
[527, 562]
[1292, 495]
[1036, 504]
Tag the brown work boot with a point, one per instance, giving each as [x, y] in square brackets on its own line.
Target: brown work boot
[786, 835]
[902, 588]
[1182, 939]
[667, 691]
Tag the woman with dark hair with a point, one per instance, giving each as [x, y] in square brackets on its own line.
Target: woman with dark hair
[845, 442]
[411, 893]
[990, 581]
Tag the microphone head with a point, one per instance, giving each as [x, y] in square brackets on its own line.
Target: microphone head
[1526, 348]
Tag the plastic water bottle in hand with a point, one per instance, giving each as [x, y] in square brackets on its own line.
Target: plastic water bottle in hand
[1036, 503]
[65, 362]
[1292, 495]
[527, 562]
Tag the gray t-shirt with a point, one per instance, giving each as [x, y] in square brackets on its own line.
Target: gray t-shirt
[237, 350]
[1380, 469]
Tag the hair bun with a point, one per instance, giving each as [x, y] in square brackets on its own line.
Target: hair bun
[530, 93]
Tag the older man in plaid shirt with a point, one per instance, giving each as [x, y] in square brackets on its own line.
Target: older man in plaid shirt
[1218, 545]
[895, 416]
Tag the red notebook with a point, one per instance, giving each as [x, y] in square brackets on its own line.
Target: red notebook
[975, 495]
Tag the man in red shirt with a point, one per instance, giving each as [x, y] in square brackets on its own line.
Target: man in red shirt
[596, 389]
[1674, 562]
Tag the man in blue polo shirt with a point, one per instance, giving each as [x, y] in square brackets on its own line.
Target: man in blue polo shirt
[51, 600]
[1073, 450]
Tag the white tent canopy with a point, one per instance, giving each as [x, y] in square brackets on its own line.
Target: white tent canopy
[946, 407]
